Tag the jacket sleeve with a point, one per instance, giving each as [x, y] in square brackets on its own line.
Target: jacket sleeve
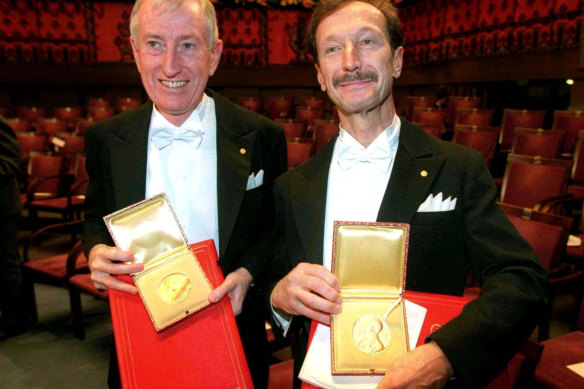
[484, 337]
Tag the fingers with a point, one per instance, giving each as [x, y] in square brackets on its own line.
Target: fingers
[220, 292]
[235, 285]
[105, 261]
[308, 290]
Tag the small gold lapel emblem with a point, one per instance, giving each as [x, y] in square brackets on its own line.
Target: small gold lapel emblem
[424, 173]
[242, 151]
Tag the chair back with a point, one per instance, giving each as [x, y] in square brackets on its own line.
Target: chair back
[98, 102]
[323, 131]
[253, 103]
[481, 140]
[279, 107]
[299, 150]
[125, 103]
[308, 115]
[292, 128]
[572, 122]
[455, 103]
[429, 115]
[546, 233]
[474, 117]
[100, 113]
[30, 142]
[31, 114]
[73, 144]
[414, 102]
[578, 167]
[51, 126]
[531, 181]
[18, 125]
[68, 115]
[513, 118]
[43, 166]
[545, 143]
[311, 101]
[82, 124]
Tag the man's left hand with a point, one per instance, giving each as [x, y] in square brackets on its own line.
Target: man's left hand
[235, 285]
[424, 367]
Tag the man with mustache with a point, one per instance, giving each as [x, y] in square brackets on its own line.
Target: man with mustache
[383, 168]
[215, 161]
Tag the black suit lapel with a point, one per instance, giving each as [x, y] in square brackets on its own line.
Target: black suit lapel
[235, 148]
[128, 152]
[414, 171]
[308, 199]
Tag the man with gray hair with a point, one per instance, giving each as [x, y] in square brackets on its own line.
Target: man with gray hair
[216, 162]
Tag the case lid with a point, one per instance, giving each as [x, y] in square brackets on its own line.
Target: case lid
[369, 259]
[149, 229]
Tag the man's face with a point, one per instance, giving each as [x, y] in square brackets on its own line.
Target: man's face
[355, 61]
[173, 58]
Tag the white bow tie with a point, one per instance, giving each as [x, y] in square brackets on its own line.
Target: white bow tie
[165, 137]
[349, 156]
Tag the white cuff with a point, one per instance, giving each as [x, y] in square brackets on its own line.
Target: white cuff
[283, 320]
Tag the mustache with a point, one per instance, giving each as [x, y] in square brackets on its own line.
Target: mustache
[356, 76]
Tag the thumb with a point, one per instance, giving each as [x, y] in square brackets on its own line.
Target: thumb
[219, 292]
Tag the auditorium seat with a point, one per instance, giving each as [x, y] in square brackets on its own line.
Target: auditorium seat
[18, 125]
[429, 116]
[125, 103]
[98, 102]
[308, 115]
[82, 124]
[311, 101]
[545, 143]
[279, 107]
[253, 103]
[414, 102]
[51, 126]
[530, 182]
[483, 140]
[70, 115]
[572, 122]
[45, 176]
[323, 131]
[100, 113]
[474, 117]
[299, 150]
[292, 128]
[431, 128]
[32, 114]
[456, 103]
[513, 118]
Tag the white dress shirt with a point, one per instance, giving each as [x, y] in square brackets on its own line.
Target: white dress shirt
[188, 174]
[354, 194]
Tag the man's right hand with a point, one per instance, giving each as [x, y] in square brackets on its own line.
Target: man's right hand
[308, 290]
[105, 261]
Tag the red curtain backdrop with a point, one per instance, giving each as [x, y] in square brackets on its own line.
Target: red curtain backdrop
[269, 32]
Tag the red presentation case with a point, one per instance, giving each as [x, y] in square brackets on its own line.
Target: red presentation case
[201, 351]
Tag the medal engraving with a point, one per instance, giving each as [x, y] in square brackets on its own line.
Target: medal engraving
[174, 288]
[371, 334]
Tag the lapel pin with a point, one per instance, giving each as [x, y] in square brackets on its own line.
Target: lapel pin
[424, 173]
[242, 151]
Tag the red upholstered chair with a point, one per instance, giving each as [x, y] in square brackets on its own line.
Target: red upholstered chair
[82, 124]
[558, 353]
[79, 281]
[455, 103]
[431, 128]
[323, 131]
[29, 142]
[31, 114]
[69, 206]
[51, 270]
[68, 115]
[46, 178]
[253, 103]
[51, 126]
[474, 117]
[279, 107]
[299, 150]
[429, 116]
[98, 102]
[484, 140]
[126, 103]
[572, 122]
[308, 115]
[576, 187]
[531, 182]
[545, 143]
[311, 101]
[513, 118]
[69, 144]
[18, 125]
[99, 113]
[292, 128]
[419, 102]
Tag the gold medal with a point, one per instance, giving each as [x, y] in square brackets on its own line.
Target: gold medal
[174, 288]
[371, 334]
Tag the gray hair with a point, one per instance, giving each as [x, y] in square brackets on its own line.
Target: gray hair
[206, 7]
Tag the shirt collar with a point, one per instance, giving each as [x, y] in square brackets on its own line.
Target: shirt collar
[194, 120]
[385, 140]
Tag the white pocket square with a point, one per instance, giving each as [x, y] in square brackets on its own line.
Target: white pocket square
[255, 180]
[436, 204]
